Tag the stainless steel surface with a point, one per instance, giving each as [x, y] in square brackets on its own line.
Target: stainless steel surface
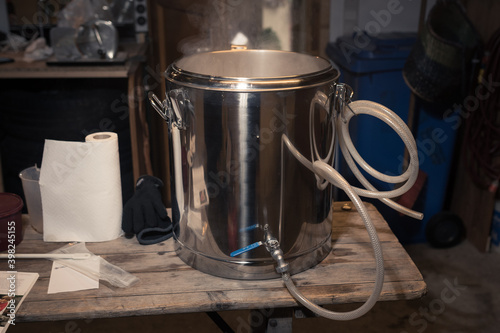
[231, 176]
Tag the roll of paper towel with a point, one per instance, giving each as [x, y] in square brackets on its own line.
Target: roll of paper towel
[80, 186]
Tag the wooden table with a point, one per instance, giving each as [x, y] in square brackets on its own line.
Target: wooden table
[167, 285]
[131, 70]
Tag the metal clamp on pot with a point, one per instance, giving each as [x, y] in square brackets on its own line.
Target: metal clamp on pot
[342, 98]
[170, 108]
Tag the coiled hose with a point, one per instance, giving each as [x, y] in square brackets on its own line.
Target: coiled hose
[350, 154]
[325, 171]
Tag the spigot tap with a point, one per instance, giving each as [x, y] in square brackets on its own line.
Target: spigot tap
[273, 247]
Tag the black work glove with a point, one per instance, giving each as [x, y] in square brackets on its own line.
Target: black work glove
[145, 215]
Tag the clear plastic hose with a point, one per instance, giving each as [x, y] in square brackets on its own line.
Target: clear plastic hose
[325, 173]
[350, 154]
[328, 173]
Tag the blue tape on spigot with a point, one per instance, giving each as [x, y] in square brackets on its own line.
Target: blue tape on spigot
[252, 227]
[246, 248]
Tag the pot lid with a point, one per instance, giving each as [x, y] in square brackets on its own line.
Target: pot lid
[251, 70]
[10, 203]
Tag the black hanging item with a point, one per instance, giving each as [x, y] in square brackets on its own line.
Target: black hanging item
[442, 62]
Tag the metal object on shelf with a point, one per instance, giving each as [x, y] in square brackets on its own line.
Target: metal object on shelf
[97, 39]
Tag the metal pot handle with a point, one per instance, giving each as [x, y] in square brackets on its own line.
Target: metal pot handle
[159, 106]
[170, 108]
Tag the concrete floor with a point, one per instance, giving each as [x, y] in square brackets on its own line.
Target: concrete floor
[463, 296]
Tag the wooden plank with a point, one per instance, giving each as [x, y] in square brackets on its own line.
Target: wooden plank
[189, 280]
[208, 301]
[168, 285]
[232, 294]
[475, 207]
[134, 125]
[20, 69]
[168, 260]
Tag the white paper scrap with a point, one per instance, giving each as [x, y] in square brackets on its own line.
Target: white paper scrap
[64, 279]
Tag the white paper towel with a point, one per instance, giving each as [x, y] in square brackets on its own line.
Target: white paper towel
[80, 186]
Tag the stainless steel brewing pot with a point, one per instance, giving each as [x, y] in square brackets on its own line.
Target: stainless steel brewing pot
[234, 182]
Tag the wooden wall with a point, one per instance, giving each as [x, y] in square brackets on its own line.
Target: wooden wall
[473, 204]
[485, 16]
